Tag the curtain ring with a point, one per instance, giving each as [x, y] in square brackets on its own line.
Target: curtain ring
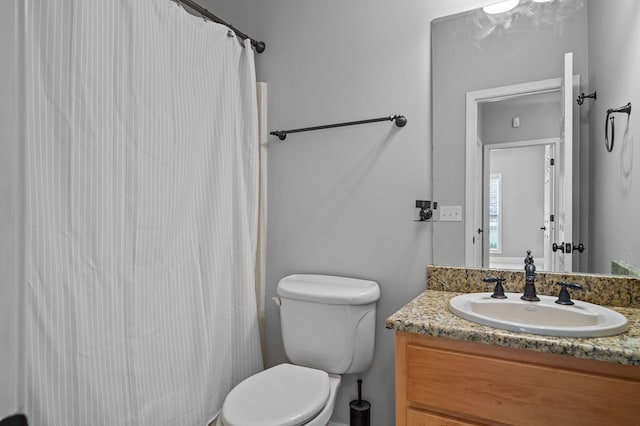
[606, 132]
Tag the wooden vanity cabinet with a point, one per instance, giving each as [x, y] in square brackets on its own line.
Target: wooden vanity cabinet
[441, 381]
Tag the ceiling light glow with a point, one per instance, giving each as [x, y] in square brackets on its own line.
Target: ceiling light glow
[503, 6]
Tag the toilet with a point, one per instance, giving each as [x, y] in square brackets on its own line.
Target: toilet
[328, 329]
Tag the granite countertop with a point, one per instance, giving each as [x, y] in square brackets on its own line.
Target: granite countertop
[429, 314]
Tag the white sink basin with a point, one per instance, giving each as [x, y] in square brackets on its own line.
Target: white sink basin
[544, 317]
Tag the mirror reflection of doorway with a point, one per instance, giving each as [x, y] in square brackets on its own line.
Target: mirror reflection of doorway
[518, 195]
[519, 136]
[479, 129]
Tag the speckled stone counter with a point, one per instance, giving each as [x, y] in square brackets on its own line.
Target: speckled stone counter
[429, 314]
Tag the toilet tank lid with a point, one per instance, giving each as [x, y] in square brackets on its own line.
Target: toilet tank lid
[328, 289]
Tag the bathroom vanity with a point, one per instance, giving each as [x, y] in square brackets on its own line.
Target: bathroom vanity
[450, 371]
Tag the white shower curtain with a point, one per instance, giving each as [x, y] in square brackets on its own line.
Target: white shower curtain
[141, 213]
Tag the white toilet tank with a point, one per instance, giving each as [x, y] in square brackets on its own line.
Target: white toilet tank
[327, 322]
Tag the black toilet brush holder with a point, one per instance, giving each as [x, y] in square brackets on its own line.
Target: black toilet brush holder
[360, 410]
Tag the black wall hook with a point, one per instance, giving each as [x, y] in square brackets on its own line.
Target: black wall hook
[582, 97]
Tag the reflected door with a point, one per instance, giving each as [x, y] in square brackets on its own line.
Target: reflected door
[562, 258]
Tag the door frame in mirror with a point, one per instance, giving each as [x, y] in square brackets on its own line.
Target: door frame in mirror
[550, 144]
[473, 175]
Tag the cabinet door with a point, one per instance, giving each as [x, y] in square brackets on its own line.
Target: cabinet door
[513, 392]
[426, 418]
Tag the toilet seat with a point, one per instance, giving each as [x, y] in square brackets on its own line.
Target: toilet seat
[284, 395]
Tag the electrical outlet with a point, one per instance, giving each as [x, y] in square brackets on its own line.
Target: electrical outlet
[450, 213]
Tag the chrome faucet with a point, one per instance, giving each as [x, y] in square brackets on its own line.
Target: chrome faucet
[530, 277]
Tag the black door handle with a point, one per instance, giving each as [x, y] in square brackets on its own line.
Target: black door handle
[579, 248]
[565, 248]
[568, 247]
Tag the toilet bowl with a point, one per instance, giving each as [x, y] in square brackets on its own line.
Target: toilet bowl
[284, 395]
[328, 330]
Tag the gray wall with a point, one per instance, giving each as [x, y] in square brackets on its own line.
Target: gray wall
[463, 63]
[10, 242]
[341, 201]
[539, 118]
[614, 67]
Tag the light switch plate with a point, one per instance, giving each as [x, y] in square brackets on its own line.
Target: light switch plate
[450, 213]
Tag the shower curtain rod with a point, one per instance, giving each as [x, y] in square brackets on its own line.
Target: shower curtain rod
[400, 121]
[258, 45]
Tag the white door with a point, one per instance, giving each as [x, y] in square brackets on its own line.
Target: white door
[564, 222]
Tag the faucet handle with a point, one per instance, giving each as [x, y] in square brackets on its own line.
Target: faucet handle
[564, 298]
[498, 290]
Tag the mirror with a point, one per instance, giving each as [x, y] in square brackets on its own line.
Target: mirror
[474, 52]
